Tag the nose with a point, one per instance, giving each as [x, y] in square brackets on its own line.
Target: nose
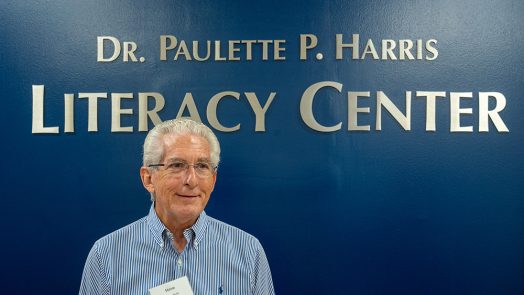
[191, 179]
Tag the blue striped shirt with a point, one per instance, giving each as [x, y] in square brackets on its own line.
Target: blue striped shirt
[218, 259]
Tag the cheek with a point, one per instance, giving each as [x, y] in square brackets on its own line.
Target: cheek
[166, 184]
[208, 185]
[212, 183]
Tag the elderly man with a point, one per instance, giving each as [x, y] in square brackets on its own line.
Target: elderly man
[177, 239]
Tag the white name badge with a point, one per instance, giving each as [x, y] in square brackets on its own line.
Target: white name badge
[179, 286]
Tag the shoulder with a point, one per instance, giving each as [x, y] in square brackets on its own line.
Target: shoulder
[228, 230]
[234, 237]
[130, 232]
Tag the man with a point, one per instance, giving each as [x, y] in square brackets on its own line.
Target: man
[177, 238]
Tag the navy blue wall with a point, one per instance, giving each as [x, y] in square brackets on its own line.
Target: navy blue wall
[378, 212]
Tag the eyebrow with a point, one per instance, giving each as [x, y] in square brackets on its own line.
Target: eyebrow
[204, 160]
[175, 159]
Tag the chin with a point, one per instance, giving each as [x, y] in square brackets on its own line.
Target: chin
[189, 211]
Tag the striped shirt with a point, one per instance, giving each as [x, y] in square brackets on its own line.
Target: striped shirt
[218, 259]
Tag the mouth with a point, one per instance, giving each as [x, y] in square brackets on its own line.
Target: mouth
[187, 196]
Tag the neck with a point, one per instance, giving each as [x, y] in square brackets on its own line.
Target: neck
[179, 241]
[177, 228]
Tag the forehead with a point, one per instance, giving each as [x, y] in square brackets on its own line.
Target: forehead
[185, 146]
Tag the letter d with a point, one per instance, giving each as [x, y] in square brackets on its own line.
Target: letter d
[100, 48]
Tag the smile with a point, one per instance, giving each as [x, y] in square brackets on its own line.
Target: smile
[187, 196]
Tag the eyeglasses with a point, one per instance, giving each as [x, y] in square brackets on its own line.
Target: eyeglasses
[202, 169]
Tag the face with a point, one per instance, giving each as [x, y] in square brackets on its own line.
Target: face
[180, 198]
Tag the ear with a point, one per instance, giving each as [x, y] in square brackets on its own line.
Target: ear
[145, 175]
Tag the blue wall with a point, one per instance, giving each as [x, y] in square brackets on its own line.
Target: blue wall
[344, 212]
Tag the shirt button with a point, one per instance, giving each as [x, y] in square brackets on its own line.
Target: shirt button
[179, 262]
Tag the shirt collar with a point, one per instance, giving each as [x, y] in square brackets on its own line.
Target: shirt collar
[157, 228]
[199, 228]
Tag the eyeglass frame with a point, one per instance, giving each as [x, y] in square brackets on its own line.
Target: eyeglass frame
[214, 168]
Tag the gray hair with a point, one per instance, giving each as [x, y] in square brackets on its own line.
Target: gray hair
[154, 146]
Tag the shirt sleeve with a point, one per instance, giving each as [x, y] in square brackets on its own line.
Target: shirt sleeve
[262, 281]
[94, 279]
